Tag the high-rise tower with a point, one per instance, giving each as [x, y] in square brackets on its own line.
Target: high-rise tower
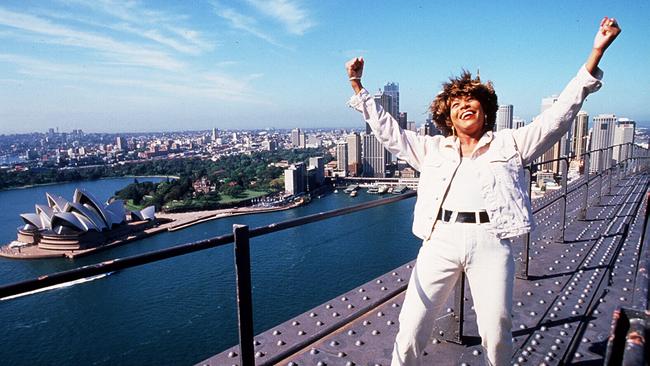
[580, 130]
[623, 134]
[354, 154]
[504, 117]
[392, 89]
[602, 137]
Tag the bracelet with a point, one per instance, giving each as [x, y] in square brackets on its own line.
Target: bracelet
[355, 78]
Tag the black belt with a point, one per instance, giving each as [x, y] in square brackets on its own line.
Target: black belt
[464, 217]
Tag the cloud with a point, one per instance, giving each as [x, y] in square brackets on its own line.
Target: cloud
[210, 85]
[245, 23]
[288, 13]
[108, 47]
[155, 28]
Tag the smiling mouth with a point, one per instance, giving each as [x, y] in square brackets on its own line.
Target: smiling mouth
[467, 115]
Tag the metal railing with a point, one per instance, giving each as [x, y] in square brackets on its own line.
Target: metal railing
[242, 234]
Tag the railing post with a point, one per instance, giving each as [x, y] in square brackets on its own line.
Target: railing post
[244, 295]
[586, 172]
[601, 163]
[610, 170]
[564, 166]
[523, 269]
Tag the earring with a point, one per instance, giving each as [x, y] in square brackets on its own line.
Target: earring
[453, 131]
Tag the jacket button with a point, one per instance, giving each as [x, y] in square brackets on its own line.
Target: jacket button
[436, 198]
[444, 179]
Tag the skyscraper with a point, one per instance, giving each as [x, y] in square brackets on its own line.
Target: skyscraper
[297, 138]
[558, 149]
[602, 137]
[342, 156]
[402, 121]
[392, 89]
[120, 143]
[214, 135]
[504, 117]
[317, 163]
[375, 157]
[294, 179]
[580, 130]
[623, 134]
[354, 154]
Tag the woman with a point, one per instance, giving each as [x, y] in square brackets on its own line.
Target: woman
[472, 197]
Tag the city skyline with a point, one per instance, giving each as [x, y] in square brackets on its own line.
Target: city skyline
[109, 66]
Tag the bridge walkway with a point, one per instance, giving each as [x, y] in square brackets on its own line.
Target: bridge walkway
[562, 308]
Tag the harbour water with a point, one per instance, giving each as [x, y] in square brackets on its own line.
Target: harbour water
[181, 311]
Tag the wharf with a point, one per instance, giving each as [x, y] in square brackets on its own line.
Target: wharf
[563, 302]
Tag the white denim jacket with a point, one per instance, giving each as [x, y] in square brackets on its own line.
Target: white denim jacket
[502, 155]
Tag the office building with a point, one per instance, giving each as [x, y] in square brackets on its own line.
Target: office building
[295, 179]
[558, 149]
[580, 135]
[375, 157]
[402, 120]
[342, 161]
[120, 143]
[504, 117]
[297, 139]
[392, 89]
[623, 134]
[318, 164]
[602, 136]
[354, 154]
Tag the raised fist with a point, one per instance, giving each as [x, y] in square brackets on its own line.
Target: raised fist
[607, 32]
[354, 67]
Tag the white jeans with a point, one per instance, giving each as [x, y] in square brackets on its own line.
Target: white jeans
[488, 264]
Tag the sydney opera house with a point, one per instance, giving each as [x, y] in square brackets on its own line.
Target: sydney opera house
[81, 223]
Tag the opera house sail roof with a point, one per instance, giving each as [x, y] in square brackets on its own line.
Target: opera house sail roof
[85, 221]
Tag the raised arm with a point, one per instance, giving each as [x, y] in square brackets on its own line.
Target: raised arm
[547, 128]
[406, 145]
[607, 33]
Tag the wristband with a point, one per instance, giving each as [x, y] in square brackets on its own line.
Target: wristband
[355, 78]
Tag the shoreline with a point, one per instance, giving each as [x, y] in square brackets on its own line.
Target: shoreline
[87, 180]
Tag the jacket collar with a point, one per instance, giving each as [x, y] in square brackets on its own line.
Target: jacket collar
[452, 141]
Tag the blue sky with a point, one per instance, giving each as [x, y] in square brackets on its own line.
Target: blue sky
[114, 66]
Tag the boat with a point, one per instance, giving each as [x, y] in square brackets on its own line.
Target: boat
[336, 191]
[353, 194]
[378, 189]
[351, 188]
[400, 189]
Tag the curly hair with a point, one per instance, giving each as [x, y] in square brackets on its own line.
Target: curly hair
[463, 86]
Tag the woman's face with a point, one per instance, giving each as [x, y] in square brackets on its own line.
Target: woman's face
[467, 115]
